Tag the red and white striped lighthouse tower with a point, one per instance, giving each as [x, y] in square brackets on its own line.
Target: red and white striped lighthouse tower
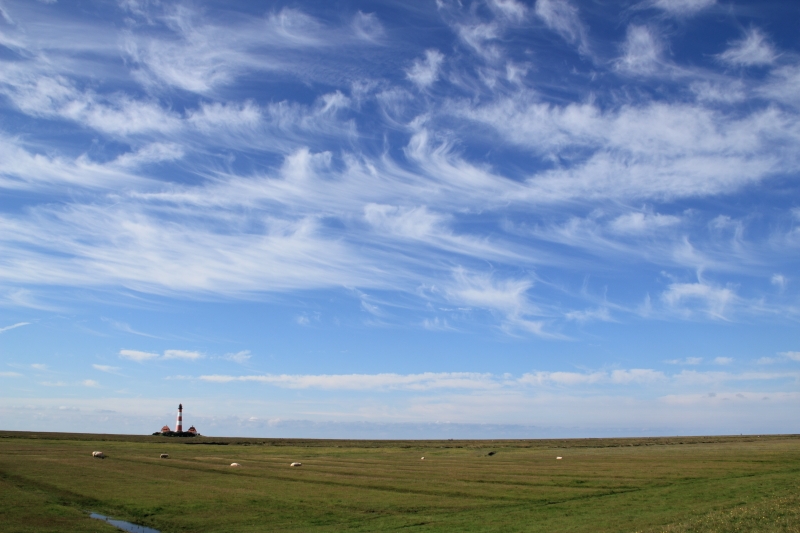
[180, 418]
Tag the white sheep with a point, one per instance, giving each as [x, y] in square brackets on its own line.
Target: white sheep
[559, 458]
[235, 464]
[296, 464]
[165, 456]
[99, 455]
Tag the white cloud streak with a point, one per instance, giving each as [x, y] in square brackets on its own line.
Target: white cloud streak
[510, 9]
[563, 18]
[426, 71]
[238, 357]
[193, 59]
[424, 381]
[182, 354]
[686, 361]
[655, 151]
[793, 356]
[13, 326]
[108, 369]
[716, 300]
[641, 52]
[139, 356]
[753, 50]
[683, 7]
[429, 381]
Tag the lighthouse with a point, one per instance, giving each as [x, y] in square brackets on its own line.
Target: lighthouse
[179, 432]
[180, 418]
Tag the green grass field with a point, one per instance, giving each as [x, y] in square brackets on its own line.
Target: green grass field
[49, 482]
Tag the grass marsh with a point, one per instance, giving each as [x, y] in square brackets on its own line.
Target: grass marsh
[49, 482]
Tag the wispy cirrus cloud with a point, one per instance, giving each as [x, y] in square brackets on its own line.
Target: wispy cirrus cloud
[641, 51]
[617, 377]
[422, 381]
[563, 18]
[686, 361]
[510, 9]
[425, 72]
[754, 49]
[54, 383]
[194, 61]
[506, 297]
[588, 315]
[47, 94]
[240, 357]
[479, 185]
[107, 368]
[182, 354]
[779, 280]
[137, 355]
[431, 381]
[619, 147]
[140, 356]
[642, 222]
[13, 326]
[122, 326]
[682, 7]
[792, 356]
[26, 170]
[716, 300]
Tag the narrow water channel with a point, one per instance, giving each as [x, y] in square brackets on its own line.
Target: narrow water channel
[123, 525]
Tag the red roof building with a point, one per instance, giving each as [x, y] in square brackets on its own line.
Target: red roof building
[164, 429]
[192, 430]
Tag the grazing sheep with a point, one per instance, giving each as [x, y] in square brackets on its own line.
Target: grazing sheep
[558, 458]
[421, 458]
[296, 464]
[491, 453]
[99, 455]
[235, 464]
[165, 456]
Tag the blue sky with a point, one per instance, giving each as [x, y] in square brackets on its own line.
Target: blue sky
[400, 219]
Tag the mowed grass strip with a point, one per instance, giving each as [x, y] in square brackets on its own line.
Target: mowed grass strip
[600, 485]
